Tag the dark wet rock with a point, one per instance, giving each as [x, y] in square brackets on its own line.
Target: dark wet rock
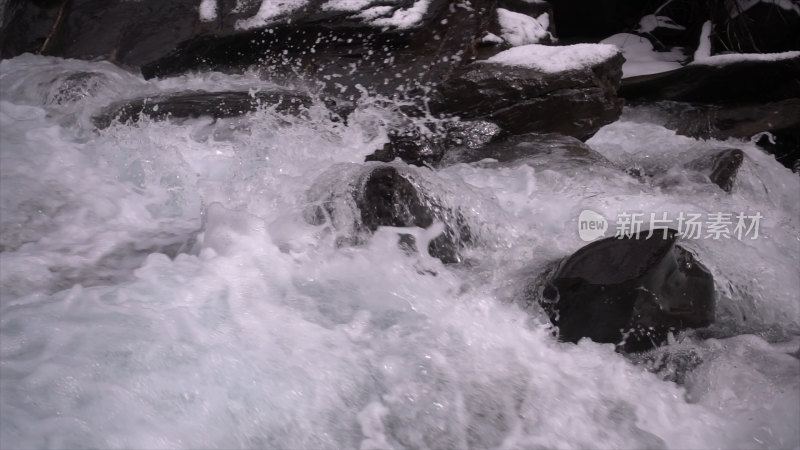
[721, 168]
[548, 150]
[387, 198]
[414, 147]
[197, 103]
[631, 292]
[734, 83]
[520, 100]
[130, 33]
[386, 195]
[74, 87]
[470, 134]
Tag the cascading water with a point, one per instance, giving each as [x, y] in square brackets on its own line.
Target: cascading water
[163, 288]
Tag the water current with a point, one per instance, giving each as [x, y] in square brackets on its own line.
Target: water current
[161, 286]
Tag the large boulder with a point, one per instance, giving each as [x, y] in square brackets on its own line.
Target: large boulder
[569, 90]
[631, 291]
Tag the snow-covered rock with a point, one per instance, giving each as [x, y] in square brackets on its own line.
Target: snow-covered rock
[535, 88]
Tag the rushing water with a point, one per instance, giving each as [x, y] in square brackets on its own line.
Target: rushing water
[161, 287]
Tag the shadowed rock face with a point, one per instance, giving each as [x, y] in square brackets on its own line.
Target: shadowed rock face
[629, 292]
[731, 84]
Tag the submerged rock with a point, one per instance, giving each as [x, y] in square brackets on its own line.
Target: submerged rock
[385, 195]
[631, 292]
[521, 92]
[413, 147]
[74, 87]
[774, 125]
[740, 121]
[548, 150]
[387, 198]
[721, 168]
[195, 104]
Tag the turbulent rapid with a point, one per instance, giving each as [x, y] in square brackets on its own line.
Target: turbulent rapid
[162, 286]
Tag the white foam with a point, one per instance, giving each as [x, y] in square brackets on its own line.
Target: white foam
[270, 333]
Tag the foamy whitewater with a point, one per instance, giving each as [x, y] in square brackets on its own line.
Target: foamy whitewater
[161, 287]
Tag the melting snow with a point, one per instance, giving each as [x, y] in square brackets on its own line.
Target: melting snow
[640, 58]
[269, 10]
[553, 59]
[521, 29]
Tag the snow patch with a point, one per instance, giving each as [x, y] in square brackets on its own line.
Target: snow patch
[730, 58]
[405, 18]
[269, 10]
[491, 38]
[208, 10]
[704, 46]
[374, 13]
[521, 29]
[640, 58]
[347, 5]
[554, 59]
